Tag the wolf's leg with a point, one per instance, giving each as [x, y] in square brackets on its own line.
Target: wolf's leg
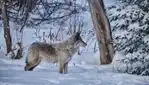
[61, 67]
[66, 68]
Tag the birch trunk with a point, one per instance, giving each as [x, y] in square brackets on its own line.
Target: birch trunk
[103, 31]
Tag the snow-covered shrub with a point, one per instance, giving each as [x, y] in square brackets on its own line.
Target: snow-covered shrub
[130, 27]
[16, 52]
[135, 65]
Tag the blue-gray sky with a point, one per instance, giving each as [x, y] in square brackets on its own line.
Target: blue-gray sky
[109, 2]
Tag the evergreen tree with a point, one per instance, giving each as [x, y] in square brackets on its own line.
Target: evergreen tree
[130, 27]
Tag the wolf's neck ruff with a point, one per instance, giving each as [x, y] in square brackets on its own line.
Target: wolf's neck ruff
[68, 46]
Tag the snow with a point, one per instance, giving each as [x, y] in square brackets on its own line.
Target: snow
[88, 73]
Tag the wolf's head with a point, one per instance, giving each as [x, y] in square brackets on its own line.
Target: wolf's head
[78, 41]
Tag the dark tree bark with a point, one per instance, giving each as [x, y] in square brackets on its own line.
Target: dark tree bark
[103, 31]
[5, 19]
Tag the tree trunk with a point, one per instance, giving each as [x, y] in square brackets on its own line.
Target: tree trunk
[103, 31]
[5, 19]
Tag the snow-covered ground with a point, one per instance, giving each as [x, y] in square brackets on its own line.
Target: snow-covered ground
[12, 73]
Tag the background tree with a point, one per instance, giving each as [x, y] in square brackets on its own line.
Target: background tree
[130, 26]
[5, 19]
[103, 31]
[35, 13]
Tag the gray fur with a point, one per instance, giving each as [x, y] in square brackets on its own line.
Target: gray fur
[60, 53]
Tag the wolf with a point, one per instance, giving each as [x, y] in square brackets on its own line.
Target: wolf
[60, 53]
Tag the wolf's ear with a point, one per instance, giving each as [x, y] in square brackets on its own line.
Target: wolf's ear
[77, 36]
[78, 33]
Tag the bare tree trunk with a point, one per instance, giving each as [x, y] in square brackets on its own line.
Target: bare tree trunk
[103, 31]
[7, 35]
